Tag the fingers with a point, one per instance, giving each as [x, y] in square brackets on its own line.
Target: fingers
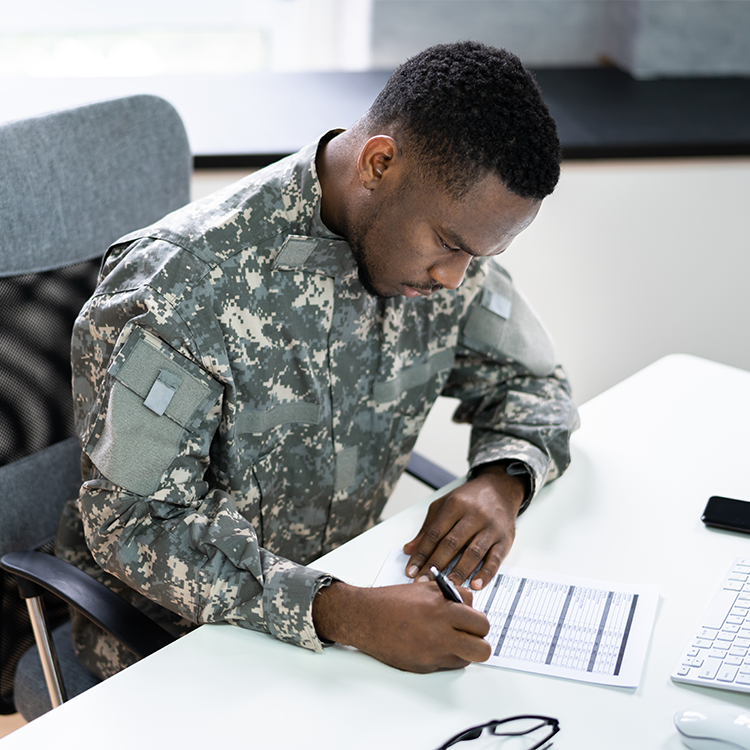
[466, 629]
[486, 562]
[441, 544]
[466, 595]
[469, 649]
[440, 520]
[474, 525]
[411, 627]
[411, 547]
[471, 628]
[468, 619]
[475, 550]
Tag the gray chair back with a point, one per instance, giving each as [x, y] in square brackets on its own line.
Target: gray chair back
[71, 183]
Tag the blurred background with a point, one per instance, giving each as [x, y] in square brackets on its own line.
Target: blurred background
[152, 37]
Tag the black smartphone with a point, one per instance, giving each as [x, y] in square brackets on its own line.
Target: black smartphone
[727, 513]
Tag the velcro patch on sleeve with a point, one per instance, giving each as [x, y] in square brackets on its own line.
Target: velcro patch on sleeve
[503, 326]
[155, 396]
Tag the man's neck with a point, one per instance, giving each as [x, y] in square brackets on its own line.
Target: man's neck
[336, 163]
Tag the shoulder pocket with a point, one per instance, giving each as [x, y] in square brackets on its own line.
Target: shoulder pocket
[155, 397]
[502, 325]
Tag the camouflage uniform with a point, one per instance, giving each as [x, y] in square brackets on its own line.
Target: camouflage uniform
[243, 402]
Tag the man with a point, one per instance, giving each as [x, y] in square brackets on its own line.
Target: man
[252, 373]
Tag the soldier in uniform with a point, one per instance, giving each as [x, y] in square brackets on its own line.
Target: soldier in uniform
[253, 370]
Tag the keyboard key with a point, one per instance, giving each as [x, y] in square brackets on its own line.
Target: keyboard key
[727, 673]
[710, 669]
[719, 653]
[722, 602]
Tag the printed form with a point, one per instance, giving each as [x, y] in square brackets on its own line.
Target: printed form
[558, 625]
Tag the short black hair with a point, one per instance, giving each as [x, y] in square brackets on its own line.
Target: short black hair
[467, 109]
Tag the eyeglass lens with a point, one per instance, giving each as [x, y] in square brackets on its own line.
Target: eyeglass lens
[516, 733]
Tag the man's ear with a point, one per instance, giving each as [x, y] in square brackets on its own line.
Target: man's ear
[377, 156]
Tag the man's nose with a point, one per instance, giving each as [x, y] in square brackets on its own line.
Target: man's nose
[449, 272]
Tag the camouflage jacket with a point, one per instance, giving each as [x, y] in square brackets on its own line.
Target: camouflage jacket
[243, 403]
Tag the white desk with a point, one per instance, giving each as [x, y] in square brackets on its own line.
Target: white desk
[649, 453]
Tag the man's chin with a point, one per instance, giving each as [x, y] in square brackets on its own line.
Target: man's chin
[365, 277]
[366, 280]
[381, 295]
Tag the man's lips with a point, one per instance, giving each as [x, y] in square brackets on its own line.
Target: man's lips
[410, 291]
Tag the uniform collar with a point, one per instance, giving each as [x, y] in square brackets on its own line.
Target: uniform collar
[319, 250]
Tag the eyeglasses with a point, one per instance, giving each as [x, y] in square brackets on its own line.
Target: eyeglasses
[538, 729]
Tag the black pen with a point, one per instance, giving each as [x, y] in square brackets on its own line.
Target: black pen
[450, 592]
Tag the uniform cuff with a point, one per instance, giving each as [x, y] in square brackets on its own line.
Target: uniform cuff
[287, 604]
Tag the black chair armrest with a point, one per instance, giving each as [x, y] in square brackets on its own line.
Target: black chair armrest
[425, 471]
[136, 631]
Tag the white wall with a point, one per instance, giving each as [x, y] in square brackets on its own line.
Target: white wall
[631, 260]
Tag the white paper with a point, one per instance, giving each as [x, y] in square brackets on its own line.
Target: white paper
[576, 628]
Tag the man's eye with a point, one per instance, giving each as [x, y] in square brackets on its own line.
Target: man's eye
[448, 247]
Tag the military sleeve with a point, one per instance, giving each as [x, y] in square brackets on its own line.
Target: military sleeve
[512, 391]
[151, 518]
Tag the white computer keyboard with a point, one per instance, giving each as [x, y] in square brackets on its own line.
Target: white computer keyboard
[719, 653]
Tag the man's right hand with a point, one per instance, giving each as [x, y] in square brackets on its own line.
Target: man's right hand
[411, 626]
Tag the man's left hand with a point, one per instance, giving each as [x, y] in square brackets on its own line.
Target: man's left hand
[478, 519]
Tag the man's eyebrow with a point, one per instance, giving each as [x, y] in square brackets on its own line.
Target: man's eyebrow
[457, 241]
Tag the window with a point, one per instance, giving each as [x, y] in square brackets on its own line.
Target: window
[90, 38]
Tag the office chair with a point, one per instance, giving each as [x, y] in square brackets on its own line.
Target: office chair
[71, 183]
